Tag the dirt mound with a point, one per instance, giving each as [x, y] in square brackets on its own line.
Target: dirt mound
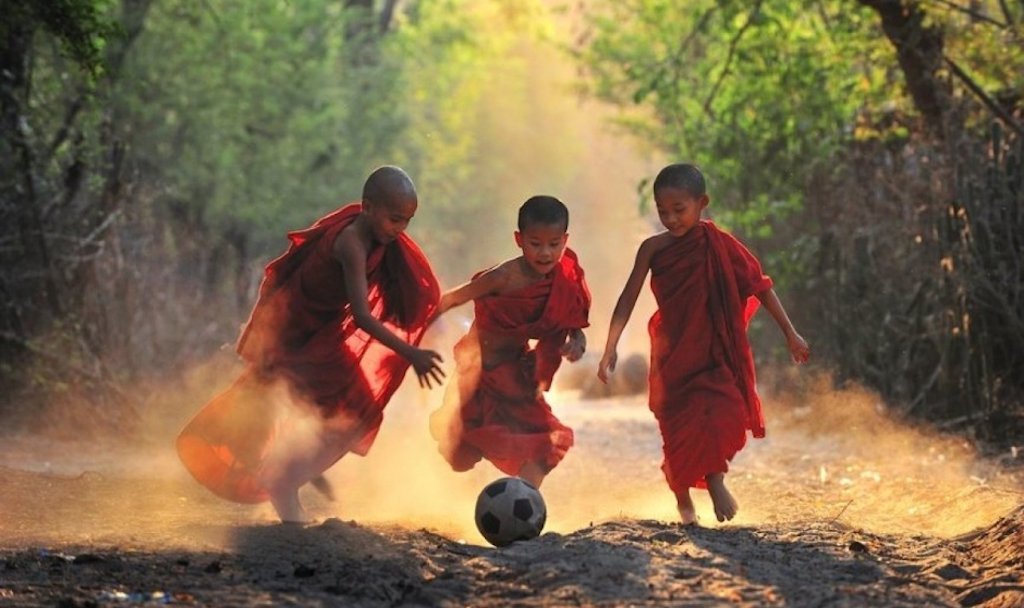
[634, 562]
[1002, 544]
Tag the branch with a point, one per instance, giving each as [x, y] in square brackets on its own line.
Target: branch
[685, 44]
[987, 101]
[101, 228]
[1006, 12]
[62, 134]
[728, 58]
[973, 13]
[676, 59]
[386, 15]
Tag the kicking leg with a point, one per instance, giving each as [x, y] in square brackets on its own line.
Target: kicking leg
[533, 473]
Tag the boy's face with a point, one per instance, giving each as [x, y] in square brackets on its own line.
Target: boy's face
[542, 245]
[679, 209]
[390, 218]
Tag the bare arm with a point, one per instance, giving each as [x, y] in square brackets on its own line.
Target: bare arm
[624, 307]
[490, 282]
[350, 251]
[797, 345]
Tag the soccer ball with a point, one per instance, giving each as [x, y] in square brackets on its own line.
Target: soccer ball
[510, 509]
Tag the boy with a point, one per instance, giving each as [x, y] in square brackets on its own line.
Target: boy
[495, 408]
[332, 334]
[707, 286]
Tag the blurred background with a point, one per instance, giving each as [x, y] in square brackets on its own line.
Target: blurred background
[153, 153]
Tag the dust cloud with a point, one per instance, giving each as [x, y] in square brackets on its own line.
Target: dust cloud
[831, 455]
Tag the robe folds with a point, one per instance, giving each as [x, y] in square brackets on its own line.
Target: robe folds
[702, 384]
[303, 350]
[499, 412]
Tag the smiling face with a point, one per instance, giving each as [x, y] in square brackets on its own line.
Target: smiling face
[678, 209]
[389, 219]
[542, 245]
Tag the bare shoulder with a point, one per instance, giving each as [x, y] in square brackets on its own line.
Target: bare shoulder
[491, 281]
[503, 276]
[348, 246]
[653, 245]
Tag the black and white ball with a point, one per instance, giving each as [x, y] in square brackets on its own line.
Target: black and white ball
[510, 509]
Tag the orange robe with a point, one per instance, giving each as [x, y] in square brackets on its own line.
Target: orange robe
[500, 413]
[301, 332]
[702, 371]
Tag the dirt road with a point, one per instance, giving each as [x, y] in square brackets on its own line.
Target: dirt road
[839, 506]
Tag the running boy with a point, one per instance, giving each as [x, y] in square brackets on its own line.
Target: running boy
[495, 407]
[707, 286]
[332, 334]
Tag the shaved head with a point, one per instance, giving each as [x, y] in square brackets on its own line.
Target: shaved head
[387, 185]
[682, 176]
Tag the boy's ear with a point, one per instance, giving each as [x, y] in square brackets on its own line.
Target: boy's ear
[704, 201]
[519, 239]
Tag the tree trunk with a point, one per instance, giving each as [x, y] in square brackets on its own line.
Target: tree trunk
[919, 52]
[18, 202]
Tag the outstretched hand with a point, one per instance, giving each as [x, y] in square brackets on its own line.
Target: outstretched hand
[426, 363]
[798, 348]
[607, 366]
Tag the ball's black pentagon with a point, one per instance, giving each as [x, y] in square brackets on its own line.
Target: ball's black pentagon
[522, 509]
[495, 488]
[490, 523]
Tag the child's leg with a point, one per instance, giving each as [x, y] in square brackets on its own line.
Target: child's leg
[324, 487]
[725, 505]
[302, 452]
[687, 512]
[533, 473]
[288, 507]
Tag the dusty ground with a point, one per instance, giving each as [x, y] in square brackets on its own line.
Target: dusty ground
[839, 506]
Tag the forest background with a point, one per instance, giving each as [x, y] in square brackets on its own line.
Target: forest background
[154, 152]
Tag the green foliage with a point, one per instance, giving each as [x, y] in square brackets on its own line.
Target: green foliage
[759, 94]
[81, 27]
[237, 108]
[259, 116]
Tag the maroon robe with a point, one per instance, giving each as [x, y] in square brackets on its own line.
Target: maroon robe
[500, 413]
[302, 334]
[702, 370]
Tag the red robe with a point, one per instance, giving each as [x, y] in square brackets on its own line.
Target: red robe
[500, 413]
[702, 370]
[301, 331]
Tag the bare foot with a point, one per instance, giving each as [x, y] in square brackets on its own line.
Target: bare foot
[725, 505]
[288, 507]
[687, 512]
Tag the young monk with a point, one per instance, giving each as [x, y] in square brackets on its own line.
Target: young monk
[335, 328]
[707, 286]
[495, 408]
